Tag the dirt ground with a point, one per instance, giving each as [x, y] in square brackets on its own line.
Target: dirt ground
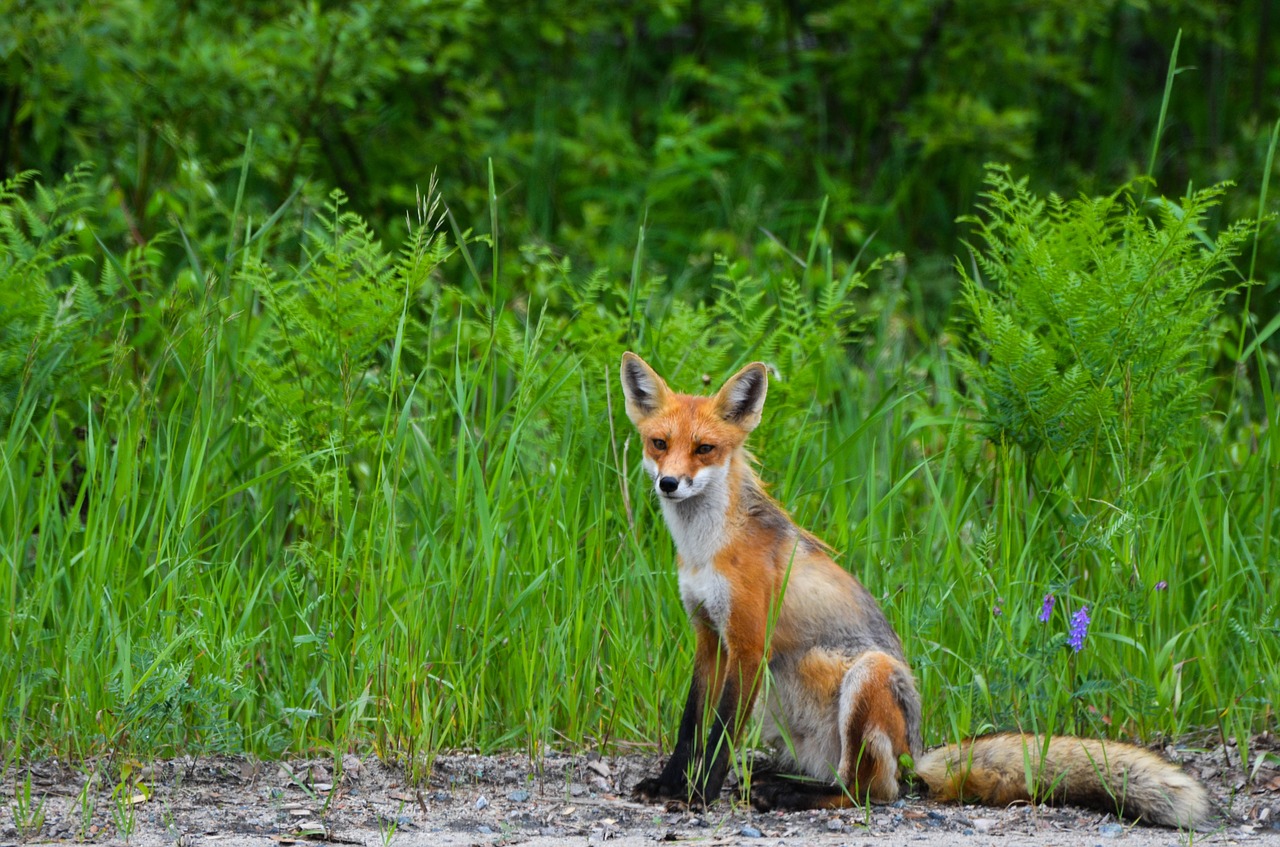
[569, 800]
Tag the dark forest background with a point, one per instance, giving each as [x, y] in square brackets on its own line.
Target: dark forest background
[705, 122]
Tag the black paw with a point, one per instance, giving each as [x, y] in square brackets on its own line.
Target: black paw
[790, 795]
[764, 797]
[655, 790]
[677, 796]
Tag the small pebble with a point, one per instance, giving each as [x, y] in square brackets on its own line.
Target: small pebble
[484, 830]
[518, 796]
[482, 803]
[749, 831]
[835, 825]
[1111, 830]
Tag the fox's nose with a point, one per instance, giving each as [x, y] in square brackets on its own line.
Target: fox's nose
[668, 484]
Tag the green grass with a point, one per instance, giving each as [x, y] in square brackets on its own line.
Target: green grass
[339, 497]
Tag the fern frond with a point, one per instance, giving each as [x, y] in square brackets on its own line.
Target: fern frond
[1094, 316]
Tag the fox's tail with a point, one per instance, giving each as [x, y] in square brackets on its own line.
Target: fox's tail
[1000, 769]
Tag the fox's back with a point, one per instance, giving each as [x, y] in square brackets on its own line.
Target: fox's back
[825, 606]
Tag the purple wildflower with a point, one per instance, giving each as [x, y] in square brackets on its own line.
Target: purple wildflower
[1046, 609]
[1161, 585]
[1079, 629]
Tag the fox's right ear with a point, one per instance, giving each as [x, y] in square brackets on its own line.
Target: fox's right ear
[644, 389]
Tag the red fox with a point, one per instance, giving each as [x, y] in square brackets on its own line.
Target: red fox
[842, 704]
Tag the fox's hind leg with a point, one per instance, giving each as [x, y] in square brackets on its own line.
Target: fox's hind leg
[878, 720]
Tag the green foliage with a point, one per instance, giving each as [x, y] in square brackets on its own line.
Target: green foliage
[1093, 321]
[806, 333]
[704, 122]
[1092, 326]
[321, 370]
[164, 705]
[45, 301]
[269, 484]
[322, 494]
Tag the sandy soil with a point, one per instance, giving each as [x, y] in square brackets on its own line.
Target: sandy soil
[569, 800]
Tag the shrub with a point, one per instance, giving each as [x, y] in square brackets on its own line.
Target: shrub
[1091, 319]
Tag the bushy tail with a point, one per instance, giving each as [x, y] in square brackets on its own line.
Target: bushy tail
[996, 770]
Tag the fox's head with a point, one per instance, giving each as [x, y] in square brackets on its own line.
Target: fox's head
[688, 440]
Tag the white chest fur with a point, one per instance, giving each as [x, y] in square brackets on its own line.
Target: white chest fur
[698, 527]
[705, 592]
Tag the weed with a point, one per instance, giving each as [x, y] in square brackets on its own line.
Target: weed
[26, 809]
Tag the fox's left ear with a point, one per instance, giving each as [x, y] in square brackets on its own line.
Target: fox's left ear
[741, 399]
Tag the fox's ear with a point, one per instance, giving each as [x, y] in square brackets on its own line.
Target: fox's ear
[644, 389]
[741, 399]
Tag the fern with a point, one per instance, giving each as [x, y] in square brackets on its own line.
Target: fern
[1090, 320]
[43, 300]
[322, 366]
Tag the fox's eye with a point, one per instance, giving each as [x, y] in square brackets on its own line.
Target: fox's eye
[659, 444]
[704, 449]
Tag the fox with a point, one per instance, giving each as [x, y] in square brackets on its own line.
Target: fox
[841, 709]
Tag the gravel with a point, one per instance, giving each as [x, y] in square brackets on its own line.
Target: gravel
[562, 800]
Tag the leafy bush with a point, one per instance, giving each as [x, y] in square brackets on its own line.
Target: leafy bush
[1092, 320]
[321, 370]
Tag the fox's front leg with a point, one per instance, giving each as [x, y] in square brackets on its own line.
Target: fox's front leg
[708, 678]
[745, 636]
